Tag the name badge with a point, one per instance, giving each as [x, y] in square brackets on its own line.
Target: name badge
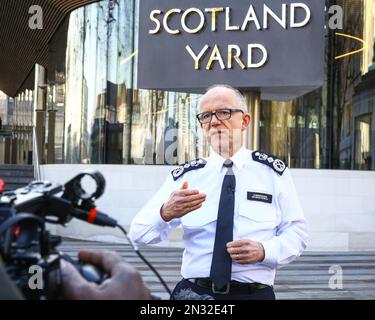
[256, 196]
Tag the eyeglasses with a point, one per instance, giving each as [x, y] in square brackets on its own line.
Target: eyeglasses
[221, 114]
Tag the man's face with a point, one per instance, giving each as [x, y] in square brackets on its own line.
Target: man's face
[225, 136]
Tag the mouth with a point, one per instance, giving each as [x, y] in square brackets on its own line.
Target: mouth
[218, 132]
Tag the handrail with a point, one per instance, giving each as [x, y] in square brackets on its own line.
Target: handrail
[37, 174]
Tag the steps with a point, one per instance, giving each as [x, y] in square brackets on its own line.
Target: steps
[16, 176]
[306, 278]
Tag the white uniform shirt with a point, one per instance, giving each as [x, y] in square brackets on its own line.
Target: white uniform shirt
[280, 225]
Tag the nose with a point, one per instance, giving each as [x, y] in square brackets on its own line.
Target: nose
[214, 120]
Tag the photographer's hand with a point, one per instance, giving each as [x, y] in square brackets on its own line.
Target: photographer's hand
[124, 282]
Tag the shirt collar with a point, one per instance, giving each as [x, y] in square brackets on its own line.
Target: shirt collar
[238, 159]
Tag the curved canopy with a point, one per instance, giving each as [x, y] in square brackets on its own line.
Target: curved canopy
[21, 47]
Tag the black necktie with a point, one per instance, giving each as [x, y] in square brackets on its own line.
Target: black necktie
[221, 266]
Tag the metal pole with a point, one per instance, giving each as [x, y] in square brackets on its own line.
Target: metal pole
[51, 136]
[40, 101]
[253, 107]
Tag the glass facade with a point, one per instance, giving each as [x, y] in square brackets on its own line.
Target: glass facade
[16, 128]
[100, 116]
[107, 119]
[331, 127]
[4, 107]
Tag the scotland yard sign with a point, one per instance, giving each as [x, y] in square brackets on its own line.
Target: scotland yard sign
[274, 46]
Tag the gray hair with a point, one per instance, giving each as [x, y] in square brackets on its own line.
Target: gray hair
[240, 98]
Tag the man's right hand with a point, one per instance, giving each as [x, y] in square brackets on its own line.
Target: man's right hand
[181, 202]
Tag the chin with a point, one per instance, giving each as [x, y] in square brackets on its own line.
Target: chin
[219, 145]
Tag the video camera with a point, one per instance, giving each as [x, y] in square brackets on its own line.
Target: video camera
[26, 243]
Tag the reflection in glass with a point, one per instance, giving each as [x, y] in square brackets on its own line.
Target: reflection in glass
[107, 120]
[317, 130]
[363, 145]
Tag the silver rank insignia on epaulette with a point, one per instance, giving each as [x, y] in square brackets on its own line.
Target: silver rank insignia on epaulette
[275, 163]
[188, 166]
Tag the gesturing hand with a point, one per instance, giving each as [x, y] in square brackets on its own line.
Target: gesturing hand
[181, 202]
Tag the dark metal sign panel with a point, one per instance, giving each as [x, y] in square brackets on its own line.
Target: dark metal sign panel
[276, 47]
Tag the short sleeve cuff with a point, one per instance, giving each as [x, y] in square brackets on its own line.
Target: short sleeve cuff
[271, 253]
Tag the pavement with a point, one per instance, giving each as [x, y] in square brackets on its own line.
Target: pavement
[311, 276]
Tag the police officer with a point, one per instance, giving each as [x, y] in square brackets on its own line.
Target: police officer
[239, 210]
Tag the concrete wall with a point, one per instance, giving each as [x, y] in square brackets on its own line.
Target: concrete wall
[339, 205]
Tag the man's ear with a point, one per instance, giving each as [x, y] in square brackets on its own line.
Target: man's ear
[246, 121]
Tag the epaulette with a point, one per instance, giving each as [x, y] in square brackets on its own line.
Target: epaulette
[188, 166]
[273, 162]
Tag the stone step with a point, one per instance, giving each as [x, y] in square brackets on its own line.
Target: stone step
[305, 278]
[16, 167]
[16, 176]
[17, 173]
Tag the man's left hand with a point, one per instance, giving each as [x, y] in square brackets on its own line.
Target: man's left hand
[246, 251]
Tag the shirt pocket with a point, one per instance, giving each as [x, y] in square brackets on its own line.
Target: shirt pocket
[200, 217]
[256, 216]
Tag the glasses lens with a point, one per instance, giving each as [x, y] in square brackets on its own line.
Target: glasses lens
[223, 114]
[205, 117]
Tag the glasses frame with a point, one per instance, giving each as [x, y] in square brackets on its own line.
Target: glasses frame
[214, 114]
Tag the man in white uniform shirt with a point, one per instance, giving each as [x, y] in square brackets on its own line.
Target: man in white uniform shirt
[239, 210]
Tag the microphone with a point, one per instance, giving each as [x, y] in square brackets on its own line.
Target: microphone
[94, 216]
